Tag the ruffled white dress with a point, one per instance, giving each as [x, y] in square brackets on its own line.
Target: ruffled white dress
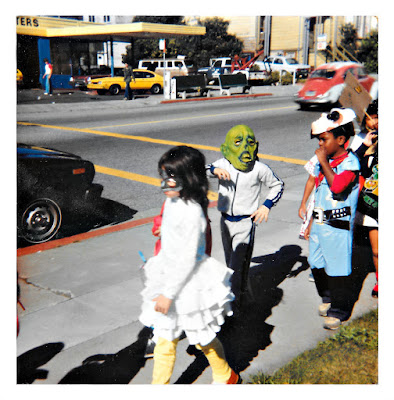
[198, 284]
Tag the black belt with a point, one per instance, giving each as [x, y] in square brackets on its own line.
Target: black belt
[234, 218]
[330, 217]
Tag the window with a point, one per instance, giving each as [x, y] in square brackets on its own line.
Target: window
[107, 18]
[362, 73]
[351, 70]
[72, 57]
[178, 64]
[278, 61]
[169, 64]
[92, 18]
[291, 61]
[323, 73]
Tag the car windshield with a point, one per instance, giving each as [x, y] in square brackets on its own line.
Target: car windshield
[291, 61]
[323, 73]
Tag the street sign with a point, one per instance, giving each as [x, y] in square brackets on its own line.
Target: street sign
[162, 45]
[322, 42]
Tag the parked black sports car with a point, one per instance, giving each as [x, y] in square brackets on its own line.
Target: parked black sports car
[50, 182]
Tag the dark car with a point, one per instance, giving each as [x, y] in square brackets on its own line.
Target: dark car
[81, 81]
[50, 182]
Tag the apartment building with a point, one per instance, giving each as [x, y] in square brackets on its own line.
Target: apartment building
[301, 37]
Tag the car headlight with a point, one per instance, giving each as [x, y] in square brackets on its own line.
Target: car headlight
[100, 83]
[324, 95]
[89, 79]
[71, 79]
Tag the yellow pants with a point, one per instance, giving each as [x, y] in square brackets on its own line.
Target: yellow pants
[165, 355]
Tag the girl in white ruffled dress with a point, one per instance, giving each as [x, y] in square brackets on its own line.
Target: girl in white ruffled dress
[185, 289]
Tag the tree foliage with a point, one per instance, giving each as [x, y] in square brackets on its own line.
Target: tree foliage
[349, 38]
[217, 42]
[368, 52]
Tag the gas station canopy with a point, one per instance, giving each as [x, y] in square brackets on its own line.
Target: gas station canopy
[59, 27]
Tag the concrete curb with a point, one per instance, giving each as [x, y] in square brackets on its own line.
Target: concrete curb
[242, 96]
[36, 248]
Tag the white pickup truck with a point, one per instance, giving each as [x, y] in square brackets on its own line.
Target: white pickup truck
[284, 64]
[217, 66]
[222, 65]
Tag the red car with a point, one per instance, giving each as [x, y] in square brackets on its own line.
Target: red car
[325, 84]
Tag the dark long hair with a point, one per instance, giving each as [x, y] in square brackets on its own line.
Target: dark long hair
[188, 164]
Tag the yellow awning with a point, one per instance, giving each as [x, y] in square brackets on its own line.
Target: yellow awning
[58, 27]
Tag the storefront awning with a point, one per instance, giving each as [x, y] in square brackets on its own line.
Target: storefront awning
[47, 27]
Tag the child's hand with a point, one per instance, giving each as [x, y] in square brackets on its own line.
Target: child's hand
[163, 304]
[261, 214]
[222, 174]
[307, 233]
[157, 232]
[368, 141]
[321, 155]
[372, 122]
[302, 211]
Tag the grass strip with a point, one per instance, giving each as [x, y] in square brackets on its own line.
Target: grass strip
[348, 357]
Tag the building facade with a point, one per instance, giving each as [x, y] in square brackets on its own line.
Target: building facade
[301, 37]
[73, 45]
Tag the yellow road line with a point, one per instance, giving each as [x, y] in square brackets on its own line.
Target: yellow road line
[139, 178]
[158, 141]
[196, 117]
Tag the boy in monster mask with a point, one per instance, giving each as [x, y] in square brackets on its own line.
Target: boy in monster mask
[241, 176]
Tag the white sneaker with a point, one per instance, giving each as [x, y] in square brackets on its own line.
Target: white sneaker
[323, 308]
[332, 323]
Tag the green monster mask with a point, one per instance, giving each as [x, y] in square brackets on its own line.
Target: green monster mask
[240, 147]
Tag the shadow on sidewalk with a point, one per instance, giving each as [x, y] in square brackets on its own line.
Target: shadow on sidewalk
[243, 335]
[119, 368]
[246, 333]
[28, 363]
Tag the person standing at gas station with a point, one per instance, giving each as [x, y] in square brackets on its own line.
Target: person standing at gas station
[128, 76]
[47, 76]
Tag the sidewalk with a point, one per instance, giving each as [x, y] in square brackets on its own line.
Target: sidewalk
[82, 302]
[74, 100]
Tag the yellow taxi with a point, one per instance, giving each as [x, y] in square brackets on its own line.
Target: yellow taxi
[144, 80]
[19, 77]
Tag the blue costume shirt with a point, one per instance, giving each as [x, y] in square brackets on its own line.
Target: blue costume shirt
[331, 247]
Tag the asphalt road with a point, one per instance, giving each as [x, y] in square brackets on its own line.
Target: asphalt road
[117, 130]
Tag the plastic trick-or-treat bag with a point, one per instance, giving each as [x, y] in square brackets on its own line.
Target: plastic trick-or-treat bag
[310, 167]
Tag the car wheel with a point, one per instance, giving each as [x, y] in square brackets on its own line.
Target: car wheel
[304, 107]
[114, 89]
[40, 221]
[155, 89]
